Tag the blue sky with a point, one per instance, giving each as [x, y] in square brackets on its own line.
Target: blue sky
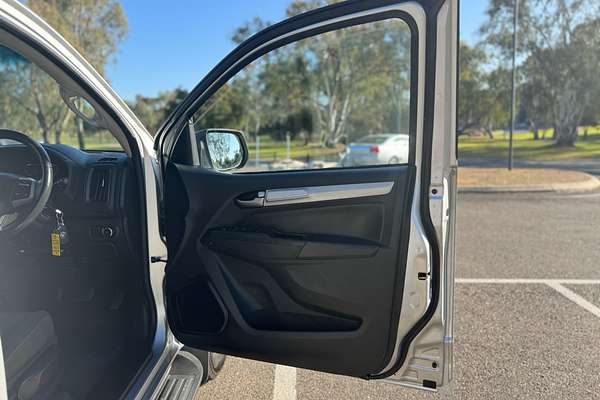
[175, 43]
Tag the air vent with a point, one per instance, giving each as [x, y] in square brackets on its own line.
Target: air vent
[99, 187]
[107, 159]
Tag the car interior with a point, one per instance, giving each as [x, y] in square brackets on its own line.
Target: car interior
[74, 300]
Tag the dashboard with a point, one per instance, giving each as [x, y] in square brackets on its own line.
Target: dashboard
[95, 192]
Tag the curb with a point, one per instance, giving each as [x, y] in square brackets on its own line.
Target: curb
[590, 184]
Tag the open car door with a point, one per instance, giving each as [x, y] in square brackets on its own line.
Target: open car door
[330, 250]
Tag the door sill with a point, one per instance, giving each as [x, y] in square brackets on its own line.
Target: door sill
[184, 378]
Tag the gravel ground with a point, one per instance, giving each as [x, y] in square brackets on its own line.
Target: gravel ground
[240, 380]
[528, 236]
[513, 341]
[519, 177]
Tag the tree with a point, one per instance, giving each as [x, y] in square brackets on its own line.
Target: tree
[152, 111]
[228, 111]
[247, 82]
[331, 84]
[300, 6]
[339, 77]
[28, 92]
[559, 38]
[248, 29]
[536, 98]
[470, 85]
[483, 94]
[351, 70]
[591, 113]
[471, 89]
[495, 99]
[95, 28]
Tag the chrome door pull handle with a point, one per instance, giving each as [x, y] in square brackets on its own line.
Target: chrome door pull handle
[277, 197]
[283, 195]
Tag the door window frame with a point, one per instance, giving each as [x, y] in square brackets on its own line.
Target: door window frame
[295, 37]
[178, 122]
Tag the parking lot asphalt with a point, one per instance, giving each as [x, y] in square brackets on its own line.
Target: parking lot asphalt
[527, 311]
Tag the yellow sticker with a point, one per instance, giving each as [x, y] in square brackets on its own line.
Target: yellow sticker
[55, 237]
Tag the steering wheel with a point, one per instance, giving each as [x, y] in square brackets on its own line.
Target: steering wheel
[22, 198]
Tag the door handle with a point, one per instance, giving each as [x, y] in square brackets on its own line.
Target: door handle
[275, 197]
[256, 202]
[264, 197]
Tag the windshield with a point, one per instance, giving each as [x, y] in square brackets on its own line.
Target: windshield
[30, 102]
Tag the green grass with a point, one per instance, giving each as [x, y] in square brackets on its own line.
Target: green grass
[103, 146]
[272, 150]
[528, 149]
[95, 142]
[468, 147]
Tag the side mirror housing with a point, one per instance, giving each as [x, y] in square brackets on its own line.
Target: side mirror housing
[224, 149]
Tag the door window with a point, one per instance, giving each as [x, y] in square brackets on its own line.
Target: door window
[337, 99]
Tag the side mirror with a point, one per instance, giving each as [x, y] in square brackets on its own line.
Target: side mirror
[226, 148]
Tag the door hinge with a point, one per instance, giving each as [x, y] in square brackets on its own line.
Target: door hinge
[157, 259]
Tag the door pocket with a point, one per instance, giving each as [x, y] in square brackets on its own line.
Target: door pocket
[273, 247]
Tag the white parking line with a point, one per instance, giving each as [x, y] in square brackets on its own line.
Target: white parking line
[575, 298]
[533, 281]
[556, 284]
[284, 387]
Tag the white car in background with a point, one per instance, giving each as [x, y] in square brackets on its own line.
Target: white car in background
[386, 148]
